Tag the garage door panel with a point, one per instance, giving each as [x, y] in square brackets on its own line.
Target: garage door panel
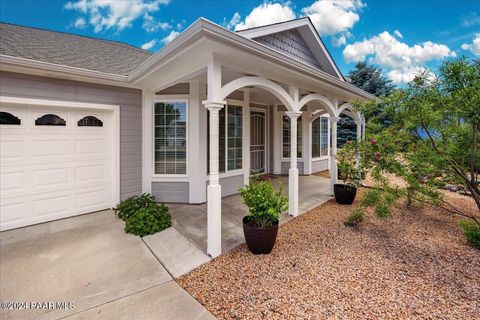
[91, 199]
[46, 147]
[13, 212]
[43, 207]
[56, 178]
[12, 181]
[90, 173]
[12, 150]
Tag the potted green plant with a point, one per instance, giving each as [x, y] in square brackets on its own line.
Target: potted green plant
[349, 172]
[260, 225]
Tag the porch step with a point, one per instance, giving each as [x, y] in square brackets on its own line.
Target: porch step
[177, 254]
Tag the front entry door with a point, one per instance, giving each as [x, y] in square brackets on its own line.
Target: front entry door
[257, 142]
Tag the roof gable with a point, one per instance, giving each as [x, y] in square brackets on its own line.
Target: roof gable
[297, 39]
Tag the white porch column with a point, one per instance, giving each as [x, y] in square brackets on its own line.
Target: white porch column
[214, 189]
[363, 128]
[293, 171]
[246, 137]
[307, 142]
[359, 139]
[333, 154]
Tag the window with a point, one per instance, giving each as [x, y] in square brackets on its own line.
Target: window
[234, 133]
[229, 139]
[170, 137]
[90, 121]
[50, 120]
[286, 137]
[9, 119]
[320, 137]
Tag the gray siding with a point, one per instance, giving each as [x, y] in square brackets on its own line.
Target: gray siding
[320, 165]
[129, 100]
[286, 166]
[174, 192]
[231, 185]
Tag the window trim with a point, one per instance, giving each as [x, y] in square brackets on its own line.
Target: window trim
[158, 176]
[299, 125]
[328, 140]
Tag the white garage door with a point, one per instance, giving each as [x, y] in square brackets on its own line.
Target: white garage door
[54, 163]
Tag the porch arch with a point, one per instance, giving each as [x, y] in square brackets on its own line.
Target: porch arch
[329, 108]
[268, 85]
[347, 109]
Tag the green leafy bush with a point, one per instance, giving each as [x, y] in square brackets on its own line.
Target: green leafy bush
[263, 202]
[130, 206]
[471, 231]
[348, 171]
[148, 220]
[354, 219]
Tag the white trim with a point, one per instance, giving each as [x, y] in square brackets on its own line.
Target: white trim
[152, 145]
[114, 134]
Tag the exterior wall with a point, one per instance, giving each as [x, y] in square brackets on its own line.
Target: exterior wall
[231, 185]
[174, 192]
[319, 165]
[129, 100]
[286, 167]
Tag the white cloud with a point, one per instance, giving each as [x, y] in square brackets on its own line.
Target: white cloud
[114, 14]
[152, 25]
[150, 44]
[170, 37]
[233, 21]
[471, 19]
[401, 59]
[80, 23]
[266, 13]
[331, 17]
[474, 47]
[398, 34]
[338, 41]
[408, 74]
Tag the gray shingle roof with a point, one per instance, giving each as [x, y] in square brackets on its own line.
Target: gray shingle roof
[70, 50]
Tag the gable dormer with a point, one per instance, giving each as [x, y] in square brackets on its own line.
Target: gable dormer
[297, 39]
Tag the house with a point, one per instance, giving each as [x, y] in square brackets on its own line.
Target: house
[85, 122]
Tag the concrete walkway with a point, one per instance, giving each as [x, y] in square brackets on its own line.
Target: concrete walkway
[90, 262]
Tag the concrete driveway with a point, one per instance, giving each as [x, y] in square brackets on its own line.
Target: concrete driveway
[91, 269]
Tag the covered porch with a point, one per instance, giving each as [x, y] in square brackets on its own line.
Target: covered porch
[229, 107]
[191, 220]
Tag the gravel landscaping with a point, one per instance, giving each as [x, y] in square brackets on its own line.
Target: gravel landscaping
[415, 264]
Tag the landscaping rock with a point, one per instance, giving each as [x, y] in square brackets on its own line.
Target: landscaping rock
[413, 265]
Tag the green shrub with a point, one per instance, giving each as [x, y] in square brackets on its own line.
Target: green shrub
[354, 219]
[263, 202]
[471, 231]
[148, 220]
[130, 206]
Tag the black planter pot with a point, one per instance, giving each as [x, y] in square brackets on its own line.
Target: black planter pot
[344, 194]
[260, 240]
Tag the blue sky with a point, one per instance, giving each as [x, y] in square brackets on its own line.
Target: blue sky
[403, 37]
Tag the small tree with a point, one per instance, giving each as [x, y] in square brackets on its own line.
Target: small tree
[369, 78]
[433, 139]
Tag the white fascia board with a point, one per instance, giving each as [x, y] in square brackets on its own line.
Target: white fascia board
[6, 61]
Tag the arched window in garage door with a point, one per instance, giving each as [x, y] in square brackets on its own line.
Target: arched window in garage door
[9, 119]
[50, 120]
[90, 121]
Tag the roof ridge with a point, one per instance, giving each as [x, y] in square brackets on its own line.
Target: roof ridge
[273, 24]
[115, 42]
